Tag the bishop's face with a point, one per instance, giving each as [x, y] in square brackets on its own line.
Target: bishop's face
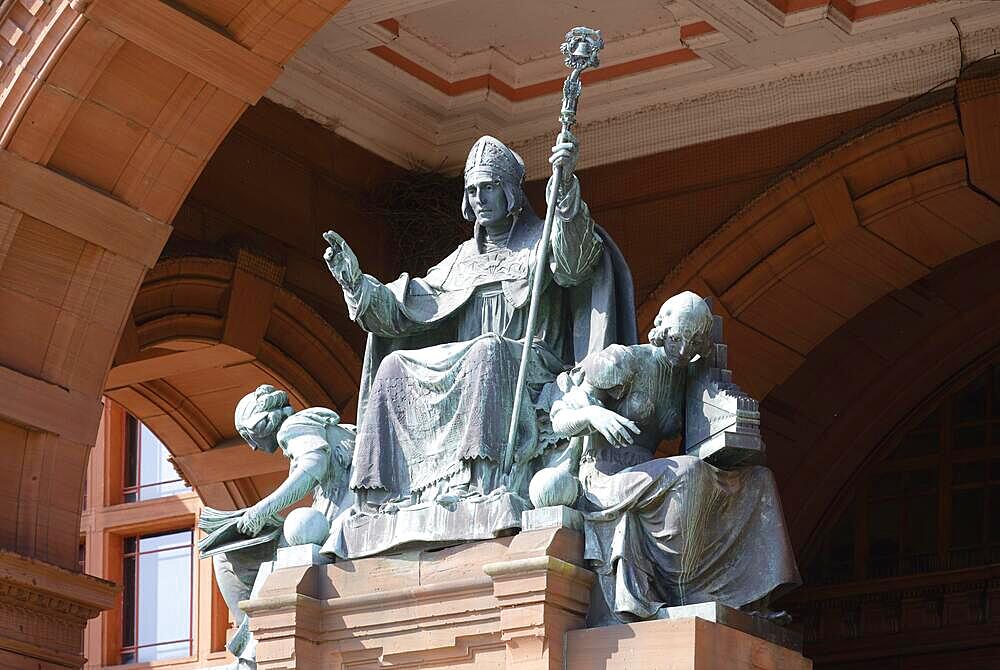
[488, 201]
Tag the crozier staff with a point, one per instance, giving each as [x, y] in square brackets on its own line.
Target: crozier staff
[580, 48]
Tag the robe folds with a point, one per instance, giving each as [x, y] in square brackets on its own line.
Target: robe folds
[677, 531]
[441, 359]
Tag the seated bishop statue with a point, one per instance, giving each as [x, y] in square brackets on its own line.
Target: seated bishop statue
[441, 361]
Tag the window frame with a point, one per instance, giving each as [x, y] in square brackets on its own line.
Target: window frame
[122, 648]
[943, 461]
[134, 439]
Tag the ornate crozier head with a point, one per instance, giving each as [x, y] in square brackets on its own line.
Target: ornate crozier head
[682, 327]
[491, 160]
[259, 415]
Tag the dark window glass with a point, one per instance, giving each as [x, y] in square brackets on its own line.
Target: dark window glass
[958, 442]
[148, 471]
[996, 390]
[920, 481]
[969, 473]
[970, 402]
[921, 525]
[917, 444]
[887, 485]
[969, 437]
[131, 451]
[994, 529]
[156, 618]
[967, 507]
[128, 601]
[883, 537]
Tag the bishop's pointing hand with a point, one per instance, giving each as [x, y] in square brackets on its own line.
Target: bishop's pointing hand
[341, 260]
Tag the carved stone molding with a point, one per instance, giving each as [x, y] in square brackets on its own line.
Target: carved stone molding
[44, 609]
[921, 612]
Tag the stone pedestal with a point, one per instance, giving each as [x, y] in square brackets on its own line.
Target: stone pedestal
[491, 605]
[677, 644]
[510, 603]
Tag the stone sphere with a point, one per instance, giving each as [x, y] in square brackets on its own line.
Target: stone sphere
[553, 486]
[306, 526]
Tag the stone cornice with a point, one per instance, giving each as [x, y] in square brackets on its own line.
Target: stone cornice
[406, 120]
[54, 590]
[44, 608]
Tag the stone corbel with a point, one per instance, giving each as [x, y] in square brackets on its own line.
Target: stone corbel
[540, 599]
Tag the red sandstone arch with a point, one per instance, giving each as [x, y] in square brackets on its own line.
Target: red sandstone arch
[827, 241]
[205, 331]
[864, 267]
[828, 419]
[109, 110]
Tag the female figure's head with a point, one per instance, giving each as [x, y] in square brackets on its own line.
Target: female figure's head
[259, 415]
[682, 327]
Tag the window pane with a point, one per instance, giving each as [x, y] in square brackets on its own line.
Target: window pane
[915, 444]
[165, 597]
[131, 451]
[921, 525]
[883, 529]
[153, 475]
[969, 437]
[995, 514]
[149, 543]
[128, 602]
[154, 466]
[967, 517]
[970, 402]
[968, 473]
[887, 485]
[161, 490]
[161, 651]
[921, 481]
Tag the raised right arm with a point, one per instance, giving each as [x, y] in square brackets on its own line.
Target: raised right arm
[370, 303]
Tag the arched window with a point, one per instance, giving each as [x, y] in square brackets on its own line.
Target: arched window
[138, 529]
[933, 501]
[148, 472]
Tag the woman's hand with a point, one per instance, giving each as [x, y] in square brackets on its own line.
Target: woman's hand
[616, 429]
[252, 521]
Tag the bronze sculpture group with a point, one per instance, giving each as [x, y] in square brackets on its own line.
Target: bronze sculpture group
[517, 355]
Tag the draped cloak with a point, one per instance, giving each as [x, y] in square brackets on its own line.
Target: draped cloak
[433, 368]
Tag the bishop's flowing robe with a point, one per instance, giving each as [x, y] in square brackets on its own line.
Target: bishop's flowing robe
[440, 365]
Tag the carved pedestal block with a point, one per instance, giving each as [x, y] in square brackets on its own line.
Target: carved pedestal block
[503, 603]
[677, 644]
[514, 603]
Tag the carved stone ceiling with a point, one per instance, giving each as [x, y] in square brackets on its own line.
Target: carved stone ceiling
[417, 81]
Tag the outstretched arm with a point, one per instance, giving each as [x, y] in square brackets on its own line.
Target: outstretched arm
[292, 490]
[370, 303]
